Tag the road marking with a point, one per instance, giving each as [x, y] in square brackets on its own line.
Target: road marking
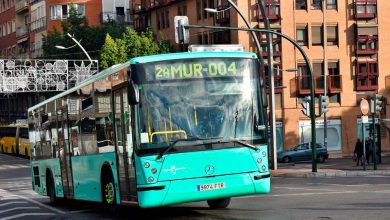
[26, 214]
[18, 208]
[302, 188]
[10, 203]
[35, 202]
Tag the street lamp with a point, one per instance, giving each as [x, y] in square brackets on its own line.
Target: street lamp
[270, 73]
[77, 43]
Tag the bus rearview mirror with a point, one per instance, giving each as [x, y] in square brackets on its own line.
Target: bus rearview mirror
[133, 94]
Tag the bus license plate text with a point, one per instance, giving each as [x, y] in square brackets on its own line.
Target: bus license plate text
[211, 186]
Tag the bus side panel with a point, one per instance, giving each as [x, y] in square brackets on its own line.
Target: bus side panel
[86, 176]
[38, 174]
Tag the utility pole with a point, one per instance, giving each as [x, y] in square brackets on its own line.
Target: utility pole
[325, 71]
[271, 84]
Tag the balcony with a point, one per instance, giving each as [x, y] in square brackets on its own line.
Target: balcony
[38, 25]
[334, 84]
[120, 18]
[141, 23]
[272, 10]
[367, 45]
[138, 7]
[366, 82]
[21, 31]
[365, 9]
[21, 5]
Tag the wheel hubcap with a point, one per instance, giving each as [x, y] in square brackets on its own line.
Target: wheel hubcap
[109, 193]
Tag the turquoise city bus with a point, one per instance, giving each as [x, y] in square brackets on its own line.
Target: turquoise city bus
[155, 131]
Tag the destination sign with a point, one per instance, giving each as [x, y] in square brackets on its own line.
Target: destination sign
[196, 69]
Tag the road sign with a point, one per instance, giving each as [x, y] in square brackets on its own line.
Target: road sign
[364, 106]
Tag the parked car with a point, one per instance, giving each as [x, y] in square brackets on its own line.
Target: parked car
[303, 152]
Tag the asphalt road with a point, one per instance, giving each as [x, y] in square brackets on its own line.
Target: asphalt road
[291, 198]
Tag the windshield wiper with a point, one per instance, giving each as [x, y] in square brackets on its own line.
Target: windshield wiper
[240, 142]
[170, 147]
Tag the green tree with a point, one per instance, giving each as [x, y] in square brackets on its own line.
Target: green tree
[112, 52]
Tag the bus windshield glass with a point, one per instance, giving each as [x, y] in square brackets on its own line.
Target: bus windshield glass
[198, 99]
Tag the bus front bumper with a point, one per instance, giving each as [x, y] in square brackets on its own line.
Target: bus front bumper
[199, 189]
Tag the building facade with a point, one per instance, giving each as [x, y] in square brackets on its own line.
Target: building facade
[345, 40]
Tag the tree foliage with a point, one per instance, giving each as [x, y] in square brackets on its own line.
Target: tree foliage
[110, 43]
[134, 44]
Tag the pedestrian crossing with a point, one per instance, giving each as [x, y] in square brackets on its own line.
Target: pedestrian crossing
[13, 206]
[11, 167]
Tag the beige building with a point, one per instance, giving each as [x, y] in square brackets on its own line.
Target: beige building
[349, 39]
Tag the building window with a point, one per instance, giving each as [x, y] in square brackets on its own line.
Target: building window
[316, 34]
[61, 11]
[272, 9]
[367, 44]
[163, 20]
[167, 18]
[158, 20]
[300, 5]
[367, 76]
[316, 4]
[332, 35]
[331, 4]
[204, 11]
[365, 8]
[335, 83]
[200, 36]
[182, 10]
[302, 36]
[206, 38]
[198, 10]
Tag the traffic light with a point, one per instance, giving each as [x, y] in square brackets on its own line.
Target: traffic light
[378, 102]
[323, 102]
[306, 106]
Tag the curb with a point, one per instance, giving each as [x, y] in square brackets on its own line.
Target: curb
[338, 173]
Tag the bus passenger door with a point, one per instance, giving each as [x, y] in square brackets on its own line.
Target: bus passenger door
[64, 153]
[123, 144]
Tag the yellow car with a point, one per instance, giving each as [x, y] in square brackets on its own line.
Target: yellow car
[14, 140]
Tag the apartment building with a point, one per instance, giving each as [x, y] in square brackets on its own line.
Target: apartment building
[346, 41]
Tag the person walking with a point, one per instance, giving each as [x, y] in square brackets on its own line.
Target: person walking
[358, 152]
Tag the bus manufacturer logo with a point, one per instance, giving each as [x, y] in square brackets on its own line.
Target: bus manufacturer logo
[209, 169]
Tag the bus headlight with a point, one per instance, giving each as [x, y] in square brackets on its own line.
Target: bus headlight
[259, 160]
[147, 165]
[263, 168]
[154, 170]
[150, 179]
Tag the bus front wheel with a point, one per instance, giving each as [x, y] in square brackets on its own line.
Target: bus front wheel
[218, 203]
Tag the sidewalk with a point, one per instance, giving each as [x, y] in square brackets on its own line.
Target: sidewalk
[333, 167]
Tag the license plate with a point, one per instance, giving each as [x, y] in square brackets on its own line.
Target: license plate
[211, 186]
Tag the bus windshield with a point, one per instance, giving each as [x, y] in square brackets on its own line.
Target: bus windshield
[198, 99]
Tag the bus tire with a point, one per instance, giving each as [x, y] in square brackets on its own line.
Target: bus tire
[219, 203]
[108, 188]
[51, 188]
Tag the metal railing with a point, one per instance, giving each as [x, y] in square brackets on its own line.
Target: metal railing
[122, 18]
[21, 5]
[21, 31]
[38, 24]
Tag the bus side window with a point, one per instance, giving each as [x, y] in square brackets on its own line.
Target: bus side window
[87, 120]
[74, 105]
[103, 123]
